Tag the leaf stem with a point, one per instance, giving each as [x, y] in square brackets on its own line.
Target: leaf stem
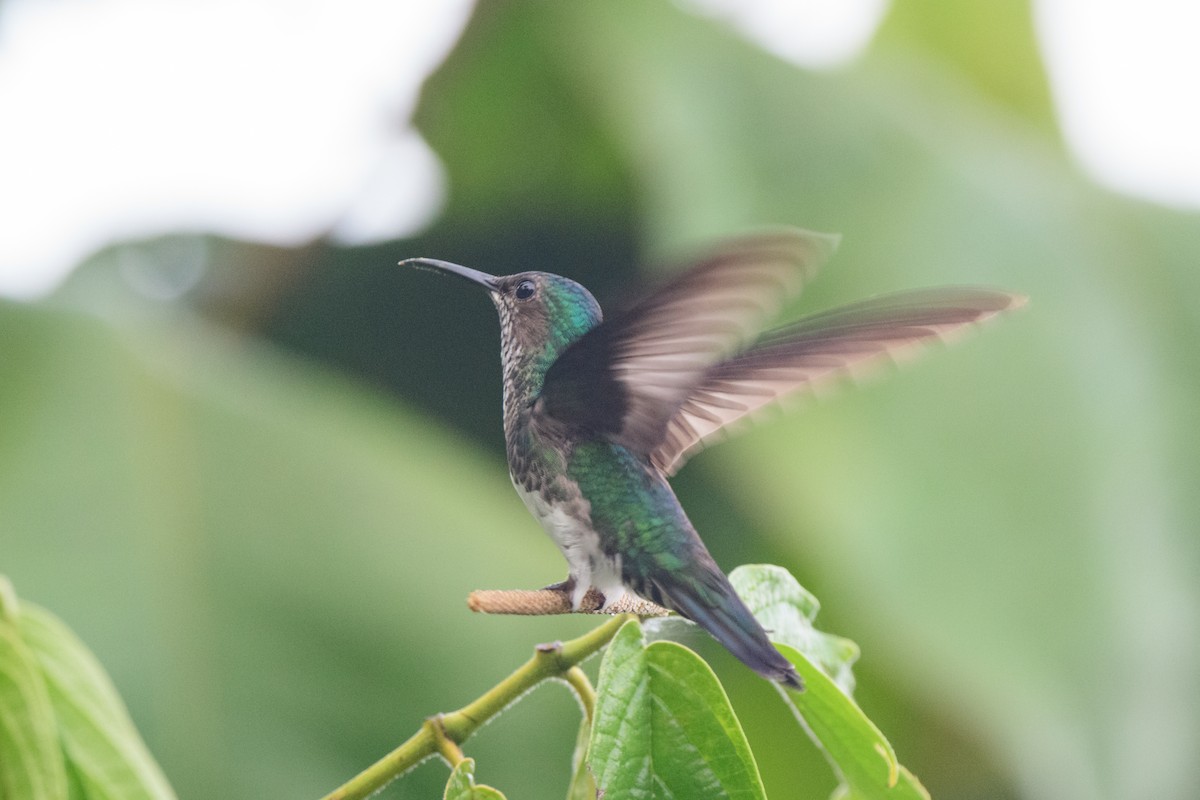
[578, 680]
[555, 660]
[446, 747]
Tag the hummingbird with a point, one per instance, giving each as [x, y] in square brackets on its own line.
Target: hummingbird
[599, 413]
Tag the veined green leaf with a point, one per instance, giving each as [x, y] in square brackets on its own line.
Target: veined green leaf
[462, 786]
[664, 727]
[101, 745]
[31, 760]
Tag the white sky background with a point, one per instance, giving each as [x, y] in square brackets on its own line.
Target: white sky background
[131, 118]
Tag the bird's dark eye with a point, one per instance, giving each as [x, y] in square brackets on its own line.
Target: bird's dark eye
[525, 290]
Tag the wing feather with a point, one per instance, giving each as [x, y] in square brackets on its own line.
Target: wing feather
[803, 356]
[651, 356]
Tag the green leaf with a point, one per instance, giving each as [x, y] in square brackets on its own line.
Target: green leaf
[663, 726]
[856, 749]
[863, 759]
[787, 610]
[101, 745]
[462, 786]
[583, 785]
[31, 760]
[907, 788]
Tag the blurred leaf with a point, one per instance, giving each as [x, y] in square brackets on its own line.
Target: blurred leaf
[462, 786]
[583, 786]
[31, 758]
[546, 152]
[787, 611]
[994, 45]
[663, 726]
[103, 748]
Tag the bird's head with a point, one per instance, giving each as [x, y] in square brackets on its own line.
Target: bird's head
[541, 314]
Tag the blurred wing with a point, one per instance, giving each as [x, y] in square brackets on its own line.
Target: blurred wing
[628, 376]
[805, 355]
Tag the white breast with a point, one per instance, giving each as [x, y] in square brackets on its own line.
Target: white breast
[580, 545]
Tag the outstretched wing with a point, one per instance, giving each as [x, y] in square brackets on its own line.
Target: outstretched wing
[802, 356]
[628, 376]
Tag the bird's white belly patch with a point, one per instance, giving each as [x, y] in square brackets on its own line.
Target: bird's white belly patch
[580, 545]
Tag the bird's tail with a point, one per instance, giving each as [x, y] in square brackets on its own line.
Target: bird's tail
[708, 599]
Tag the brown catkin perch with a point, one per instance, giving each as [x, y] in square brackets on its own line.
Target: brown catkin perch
[539, 602]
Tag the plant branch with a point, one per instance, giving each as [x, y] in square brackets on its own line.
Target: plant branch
[555, 660]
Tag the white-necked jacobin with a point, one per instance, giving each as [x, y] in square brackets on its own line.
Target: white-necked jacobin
[598, 413]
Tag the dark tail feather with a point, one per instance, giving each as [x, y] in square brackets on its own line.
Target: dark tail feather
[714, 606]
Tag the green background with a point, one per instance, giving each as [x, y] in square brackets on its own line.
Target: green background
[263, 504]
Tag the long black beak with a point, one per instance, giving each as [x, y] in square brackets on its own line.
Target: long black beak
[466, 273]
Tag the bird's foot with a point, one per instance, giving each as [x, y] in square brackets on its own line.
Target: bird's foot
[611, 596]
[582, 596]
[562, 586]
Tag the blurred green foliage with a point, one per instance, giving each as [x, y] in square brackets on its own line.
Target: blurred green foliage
[263, 505]
[64, 732]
